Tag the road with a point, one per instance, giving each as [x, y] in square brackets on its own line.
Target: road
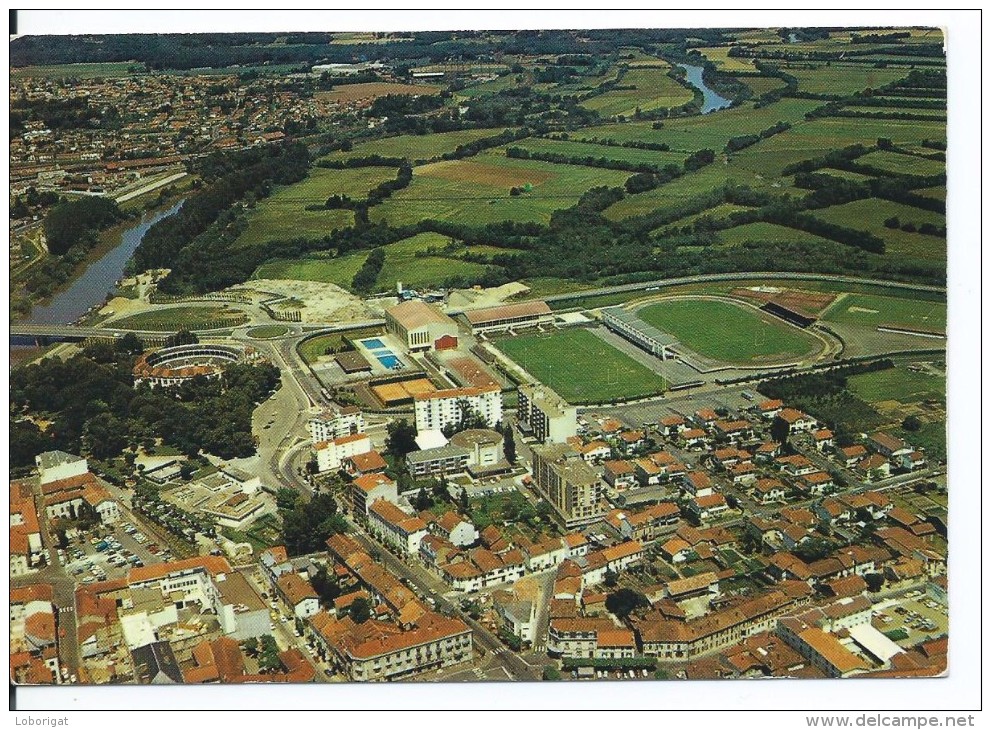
[151, 186]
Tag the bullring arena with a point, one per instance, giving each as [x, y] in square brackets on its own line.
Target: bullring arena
[170, 366]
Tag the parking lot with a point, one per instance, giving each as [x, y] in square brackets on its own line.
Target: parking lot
[107, 553]
[918, 615]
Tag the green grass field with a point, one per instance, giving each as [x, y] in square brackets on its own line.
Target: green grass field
[314, 348]
[718, 212]
[654, 90]
[415, 146]
[719, 55]
[584, 149]
[845, 174]
[726, 332]
[268, 331]
[869, 215]
[689, 134]
[284, 214]
[898, 384]
[401, 264]
[580, 367]
[172, 319]
[761, 84]
[762, 232]
[844, 79]
[75, 70]
[936, 193]
[902, 164]
[872, 310]
[475, 191]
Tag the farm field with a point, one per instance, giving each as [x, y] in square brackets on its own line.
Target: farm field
[903, 164]
[75, 70]
[373, 90]
[872, 310]
[719, 212]
[936, 193]
[730, 333]
[173, 319]
[401, 264]
[870, 214]
[475, 191]
[844, 79]
[585, 149]
[845, 174]
[689, 134]
[415, 146]
[761, 84]
[284, 214]
[719, 55]
[580, 367]
[762, 232]
[507, 81]
[654, 90]
[810, 140]
[897, 383]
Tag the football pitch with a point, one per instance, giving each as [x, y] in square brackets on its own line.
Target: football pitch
[580, 367]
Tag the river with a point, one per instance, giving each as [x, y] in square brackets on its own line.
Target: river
[99, 278]
[711, 101]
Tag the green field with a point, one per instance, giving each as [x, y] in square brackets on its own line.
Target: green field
[508, 81]
[401, 264]
[284, 214]
[580, 367]
[727, 332]
[475, 191]
[654, 90]
[871, 310]
[761, 84]
[585, 149]
[314, 348]
[719, 55]
[869, 215]
[845, 174]
[898, 384]
[268, 331]
[902, 164]
[936, 193]
[689, 134]
[172, 319]
[76, 70]
[718, 212]
[415, 146]
[844, 79]
[762, 232]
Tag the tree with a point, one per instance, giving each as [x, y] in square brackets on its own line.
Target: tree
[182, 337]
[130, 344]
[551, 674]
[463, 501]
[422, 500]
[509, 444]
[624, 602]
[813, 549]
[360, 610]
[285, 499]
[401, 438]
[611, 578]
[780, 430]
[875, 581]
[325, 585]
[912, 423]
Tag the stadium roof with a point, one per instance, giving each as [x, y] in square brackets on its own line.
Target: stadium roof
[631, 319]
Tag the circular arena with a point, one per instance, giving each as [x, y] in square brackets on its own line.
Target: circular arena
[175, 365]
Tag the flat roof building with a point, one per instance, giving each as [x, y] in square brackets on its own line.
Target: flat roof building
[522, 314]
[571, 486]
[545, 414]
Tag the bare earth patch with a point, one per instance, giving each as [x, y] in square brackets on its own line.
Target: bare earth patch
[319, 302]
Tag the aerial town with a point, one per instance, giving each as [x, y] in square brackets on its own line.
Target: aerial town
[394, 383]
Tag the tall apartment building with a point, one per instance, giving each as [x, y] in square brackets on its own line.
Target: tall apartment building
[571, 486]
[335, 423]
[331, 454]
[434, 411]
[546, 414]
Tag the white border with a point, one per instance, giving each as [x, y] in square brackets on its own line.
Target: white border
[960, 690]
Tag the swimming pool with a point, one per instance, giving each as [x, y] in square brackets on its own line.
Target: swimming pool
[382, 353]
[389, 360]
[373, 343]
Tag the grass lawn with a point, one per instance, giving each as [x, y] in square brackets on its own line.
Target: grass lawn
[931, 437]
[761, 84]
[869, 215]
[267, 331]
[284, 214]
[871, 310]
[719, 55]
[401, 264]
[763, 232]
[416, 146]
[314, 348]
[585, 149]
[475, 191]
[898, 384]
[176, 318]
[726, 332]
[654, 90]
[580, 367]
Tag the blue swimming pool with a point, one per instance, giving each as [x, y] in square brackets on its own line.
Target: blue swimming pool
[373, 343]
[389, 360]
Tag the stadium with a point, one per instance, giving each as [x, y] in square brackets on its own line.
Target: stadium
[170, 366]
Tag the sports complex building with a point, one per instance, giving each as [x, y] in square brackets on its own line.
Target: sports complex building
[629, 326]
[508, 316]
